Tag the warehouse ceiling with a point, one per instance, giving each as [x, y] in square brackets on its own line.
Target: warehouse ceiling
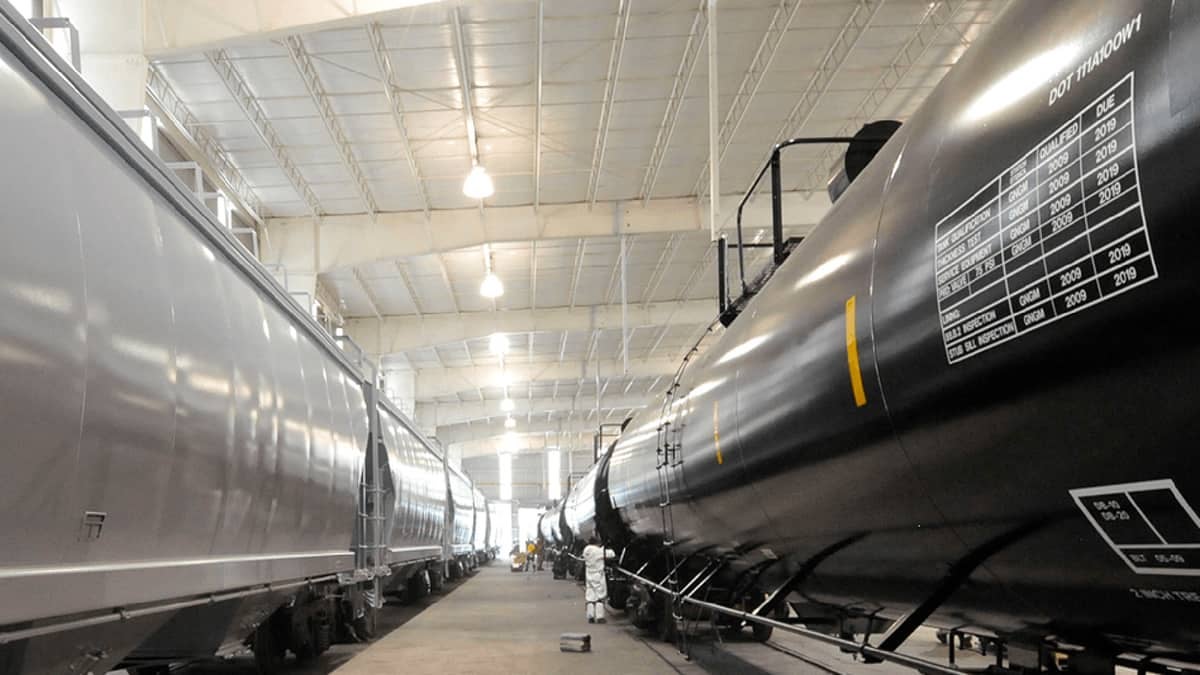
[583, 111]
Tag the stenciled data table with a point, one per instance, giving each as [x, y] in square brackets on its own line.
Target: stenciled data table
[1059, 231]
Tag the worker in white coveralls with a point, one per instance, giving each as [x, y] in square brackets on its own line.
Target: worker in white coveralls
[596, 586]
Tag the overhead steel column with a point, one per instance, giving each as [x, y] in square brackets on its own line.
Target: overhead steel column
[245, 99]
[464, 78]
[610, 92]
[396, 107]
[312, 83]
[714, 127]
[683, 77]
[537, 122]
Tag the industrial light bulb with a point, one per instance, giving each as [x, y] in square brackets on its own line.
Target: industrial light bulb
[491, 287]
[507, 405]
[498, 344]
[510, 423]
[478, 184]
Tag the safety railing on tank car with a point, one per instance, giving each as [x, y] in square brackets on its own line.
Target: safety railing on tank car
[729, 308]
[916, 663]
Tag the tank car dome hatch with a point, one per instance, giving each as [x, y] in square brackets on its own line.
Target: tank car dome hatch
[867, 143]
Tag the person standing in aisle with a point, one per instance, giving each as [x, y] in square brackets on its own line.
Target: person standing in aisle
[595, 585]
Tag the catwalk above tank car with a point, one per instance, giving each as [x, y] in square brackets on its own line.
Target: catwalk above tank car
[968, 396]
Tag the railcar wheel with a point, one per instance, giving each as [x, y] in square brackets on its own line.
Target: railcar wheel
[618, 596]
[322, 637]
[418, 585]
[364, 626]
[269, 650]
[667, 630]
[761, 632]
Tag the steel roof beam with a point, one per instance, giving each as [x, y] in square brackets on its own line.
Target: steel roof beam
[440, 414]
[768, 47]
[537, 123]
[835, 57]
[312, 82]
[656, 276]
[366, 289]
[463, 68]
[697, 272]
[683, 77]
[433, 383]
[356, 239]
[462, 433]
[938, 15]
[610, 88]
[446, 279]
[396, 108]
[402, 268]
[533, 268]
[192, 132]
[577, 269]
[244, 97]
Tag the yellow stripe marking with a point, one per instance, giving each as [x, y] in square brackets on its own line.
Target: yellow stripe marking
[717, 431]
[856, 381]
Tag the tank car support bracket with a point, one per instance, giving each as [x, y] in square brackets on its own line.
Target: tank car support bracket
[710, 570]
[958, 573]
[675, 569]
[793, 582]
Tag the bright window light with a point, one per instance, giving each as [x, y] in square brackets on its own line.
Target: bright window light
[478, 184]
[498, 344]
[505, 477]
[554, 469]
[509, 442]
[491, 287]
[527, 519]
[510, 423]
[507, 405]
[502, 516]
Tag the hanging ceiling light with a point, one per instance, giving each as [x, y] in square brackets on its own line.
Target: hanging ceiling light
[498, 344]
[507, 405]
[510, 423]
[478, 184]
[491, 287]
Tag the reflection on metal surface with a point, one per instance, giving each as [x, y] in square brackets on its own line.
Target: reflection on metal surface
[744, 348]
[140, 349]
[43, 297]
[1020, 82]
[825, 269]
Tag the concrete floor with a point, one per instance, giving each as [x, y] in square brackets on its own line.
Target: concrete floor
[499, 622]
[503, 622]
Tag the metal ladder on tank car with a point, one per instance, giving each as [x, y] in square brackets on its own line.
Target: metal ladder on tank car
[669, 461]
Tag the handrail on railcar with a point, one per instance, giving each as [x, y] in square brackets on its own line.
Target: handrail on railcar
[729, 309]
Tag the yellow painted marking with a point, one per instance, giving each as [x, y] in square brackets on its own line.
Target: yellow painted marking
[717, 430]
[856, 381]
